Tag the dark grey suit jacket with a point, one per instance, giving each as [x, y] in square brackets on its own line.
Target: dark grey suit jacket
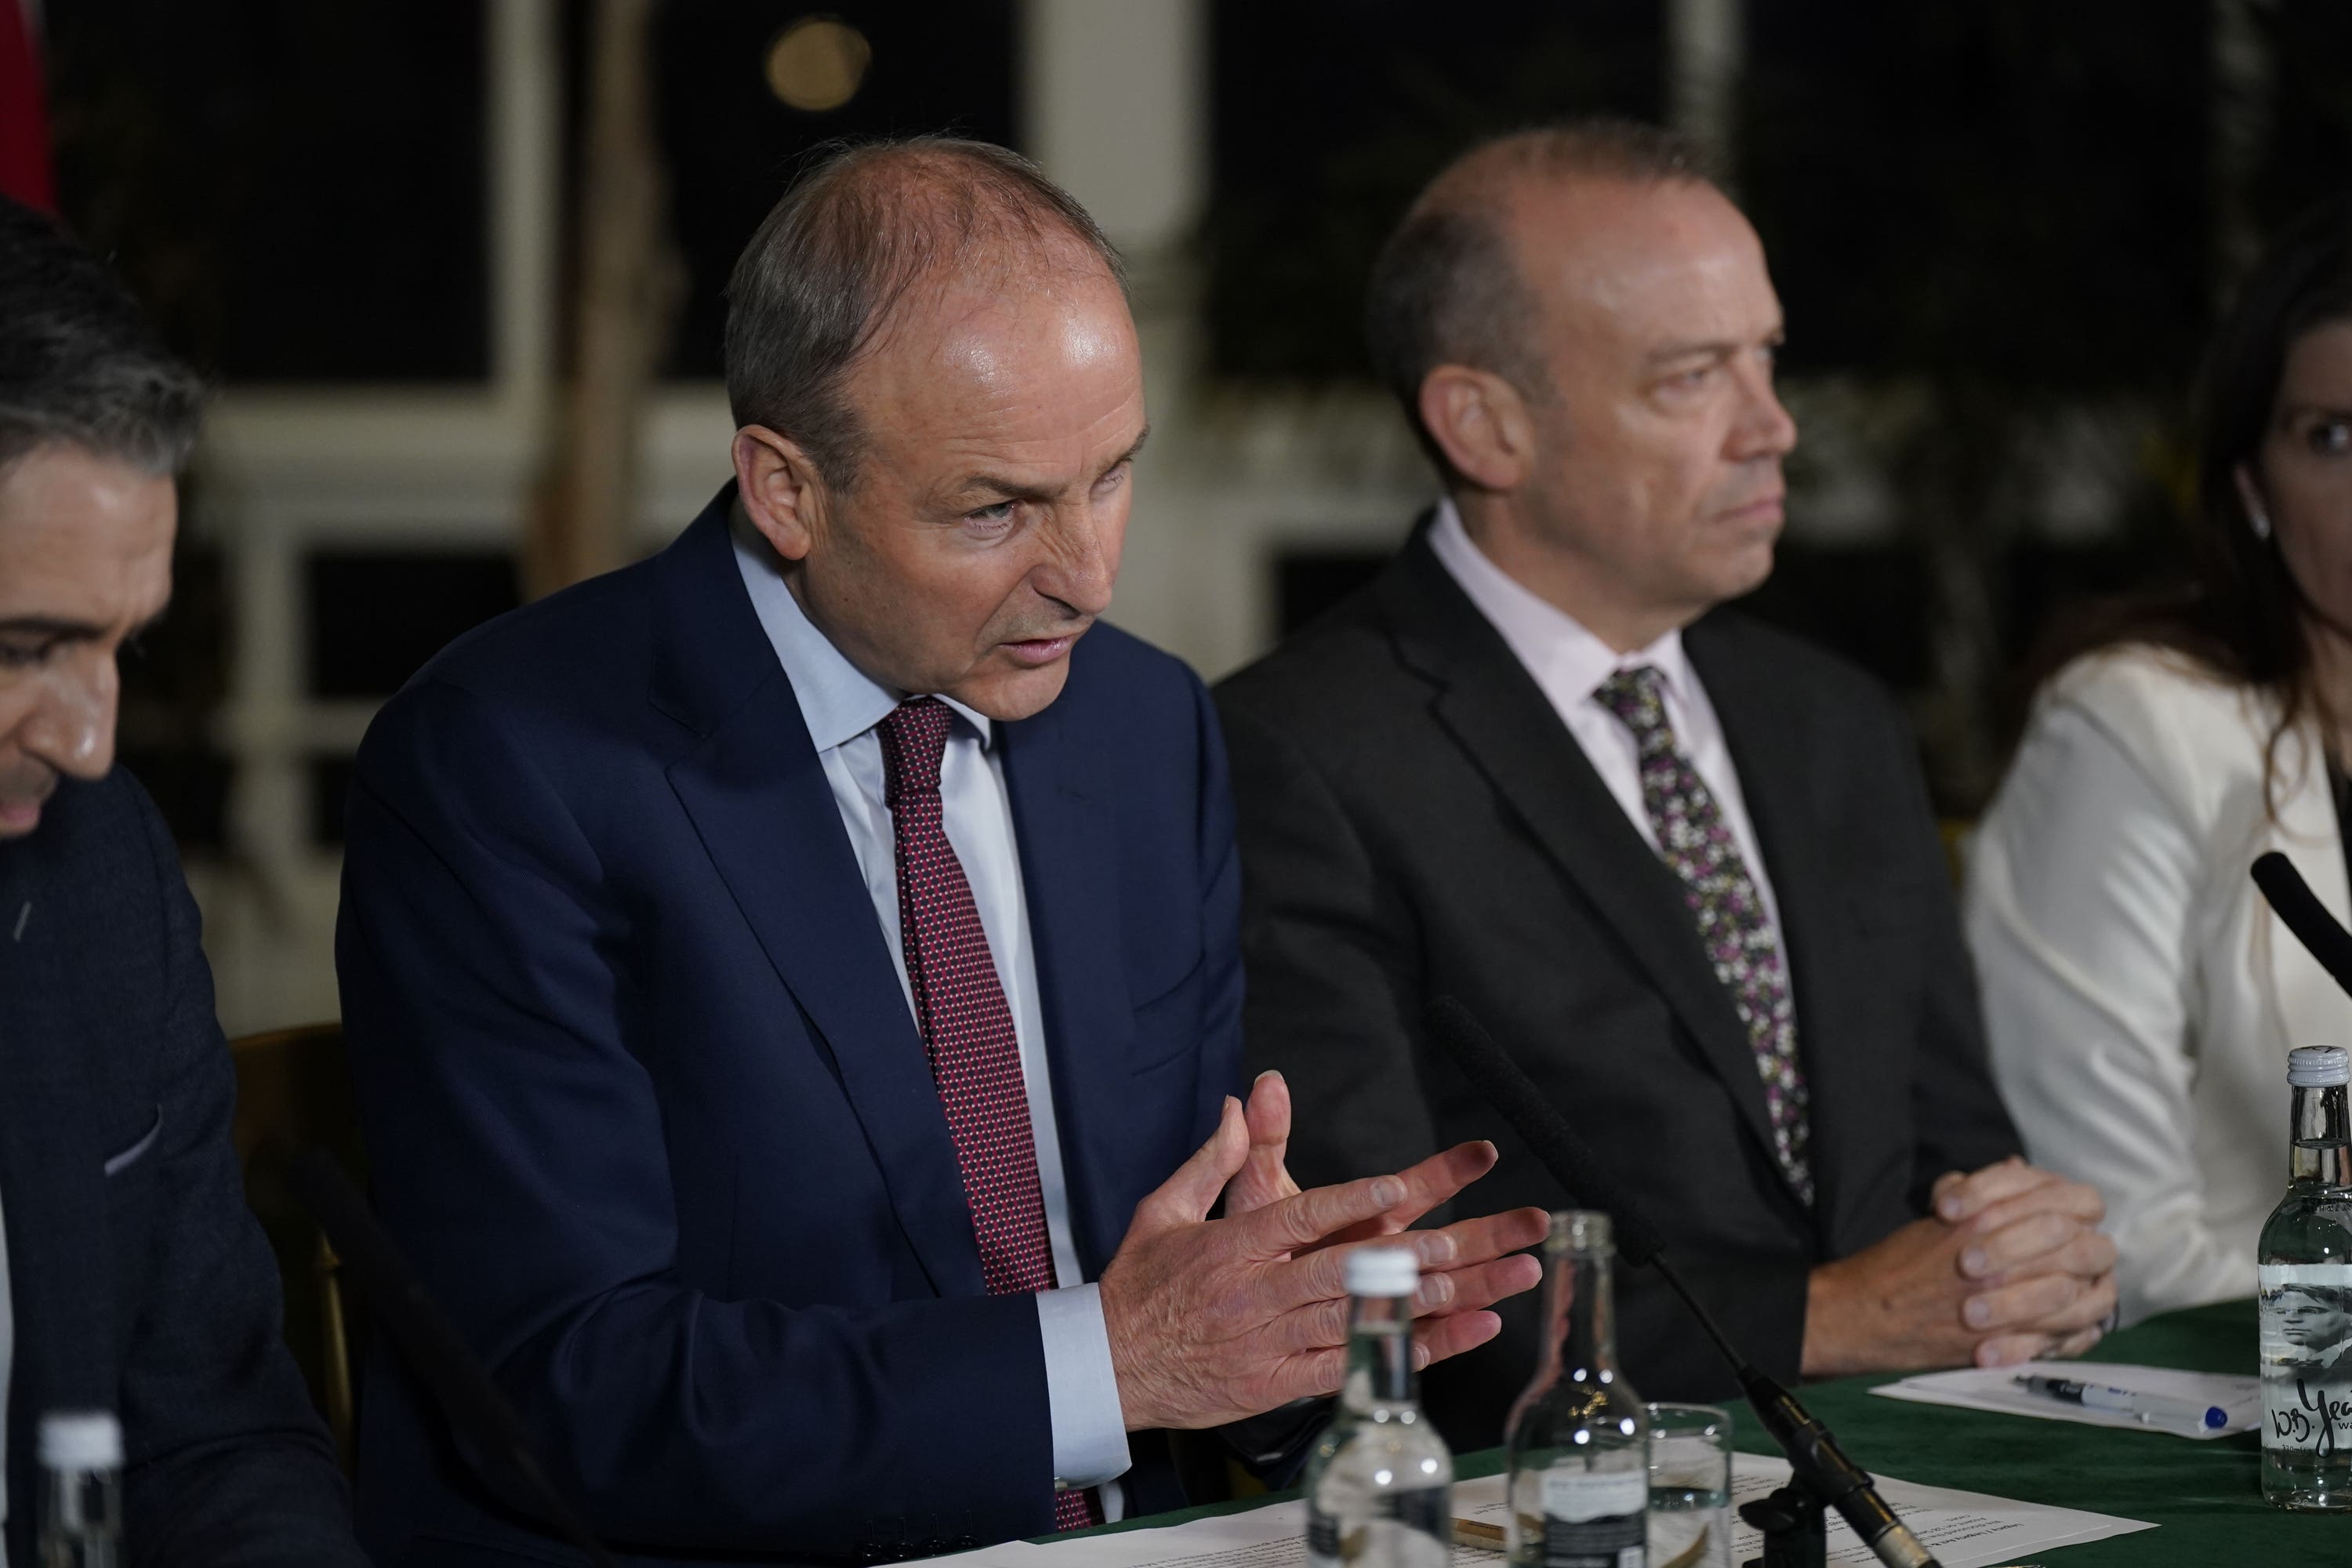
[1415, 821]
[138, 1280]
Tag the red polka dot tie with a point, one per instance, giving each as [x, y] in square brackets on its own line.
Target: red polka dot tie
[966, 1027]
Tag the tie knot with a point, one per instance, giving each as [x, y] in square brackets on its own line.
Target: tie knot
[914, 739]
[1637, 697]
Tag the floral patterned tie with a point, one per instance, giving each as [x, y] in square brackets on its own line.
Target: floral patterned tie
[966, 1027]
[1694, 841]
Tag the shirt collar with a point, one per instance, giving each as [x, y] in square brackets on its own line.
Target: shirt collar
[838, 700]
[1567, 661]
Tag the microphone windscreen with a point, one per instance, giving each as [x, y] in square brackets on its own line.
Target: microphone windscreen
[2292, 897]
[1501, 1083]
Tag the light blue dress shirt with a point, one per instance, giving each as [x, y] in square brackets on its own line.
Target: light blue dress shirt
[841, 706]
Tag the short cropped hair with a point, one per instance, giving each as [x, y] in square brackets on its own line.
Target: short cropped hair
[78, 363]
[863, 225]
[1446, 289]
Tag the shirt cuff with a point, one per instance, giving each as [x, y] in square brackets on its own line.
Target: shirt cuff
[1081, 1390]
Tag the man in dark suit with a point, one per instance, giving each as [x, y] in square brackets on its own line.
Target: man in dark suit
[135, 1279]
[782, 976]
[1681, 865]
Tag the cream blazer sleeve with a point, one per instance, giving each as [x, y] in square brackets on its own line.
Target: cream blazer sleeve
[2137, 1004]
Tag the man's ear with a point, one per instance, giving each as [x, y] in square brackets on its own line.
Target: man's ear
[1482, 424]
[780, 489]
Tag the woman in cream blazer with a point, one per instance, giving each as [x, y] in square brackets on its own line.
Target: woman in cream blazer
[2140, 998]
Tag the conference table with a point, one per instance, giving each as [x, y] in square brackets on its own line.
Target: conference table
[2205, 1497]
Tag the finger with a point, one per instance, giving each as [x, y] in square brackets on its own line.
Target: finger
[1439, 1179]
[1318, 1325]
[2015, 1350]
[2078, 1201]
[1435, 1339]
[2086, 1254]
[1184, 1198]
[2046, 1303]
[1480, 1285]
[1476, 1240]
[1946, 1183]
[2078, 1342]
[1264, 1179]
[1293, 1222]
[2015, 1247]
[1964, 1198]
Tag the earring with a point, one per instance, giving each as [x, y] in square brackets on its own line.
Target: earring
[2260, 522]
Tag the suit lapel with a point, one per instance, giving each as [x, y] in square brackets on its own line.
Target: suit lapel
[52, 1193]
[1770, 749]
[758, 799]
[1501, 717]
[1065, 831]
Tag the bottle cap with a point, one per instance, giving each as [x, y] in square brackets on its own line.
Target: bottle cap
[1382, 1271]
[2318, 1066]
[1580, 1230]
[81, 1440]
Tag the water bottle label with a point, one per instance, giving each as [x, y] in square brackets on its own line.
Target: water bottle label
[1322, 1539]
[2307, 1346]
[1595, 1519]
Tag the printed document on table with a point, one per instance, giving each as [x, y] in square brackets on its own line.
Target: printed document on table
[1964, 1530]
[1996, 1389]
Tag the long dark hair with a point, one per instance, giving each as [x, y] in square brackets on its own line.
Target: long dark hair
[2241, 613]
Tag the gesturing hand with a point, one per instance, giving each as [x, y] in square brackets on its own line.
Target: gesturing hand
[1211, 1320]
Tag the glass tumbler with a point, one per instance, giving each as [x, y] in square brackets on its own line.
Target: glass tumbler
[1690, 1487]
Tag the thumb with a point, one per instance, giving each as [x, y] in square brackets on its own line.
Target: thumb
[1185, 1198]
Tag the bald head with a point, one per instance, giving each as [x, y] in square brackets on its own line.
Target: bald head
[1451, 285]
[865, 233]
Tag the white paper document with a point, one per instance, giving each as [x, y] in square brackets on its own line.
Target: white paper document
[1965, 1530]
[1996, 1388]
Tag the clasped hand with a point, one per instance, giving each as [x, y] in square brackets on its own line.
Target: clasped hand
[1212, 1320]
[2010, 1268]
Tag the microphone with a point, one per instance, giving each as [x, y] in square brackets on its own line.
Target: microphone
[2291, 898]
[426, 1336]
[1814, 1457]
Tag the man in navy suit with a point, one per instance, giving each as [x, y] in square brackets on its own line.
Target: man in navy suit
[134, 1280]
[783, 976]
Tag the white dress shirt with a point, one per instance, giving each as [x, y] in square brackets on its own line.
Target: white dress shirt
[1570, 663]
[842, 706]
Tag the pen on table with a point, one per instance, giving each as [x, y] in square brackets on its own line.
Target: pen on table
[1470, 1532]
[2154, 1408]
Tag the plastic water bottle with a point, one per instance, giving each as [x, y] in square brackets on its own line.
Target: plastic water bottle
[1380, 1486]
[81, 1489]
[1579, 1437]
[2304, 1270]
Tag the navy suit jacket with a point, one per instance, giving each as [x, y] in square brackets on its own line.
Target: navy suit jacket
[138, 1280]
[646, 1106]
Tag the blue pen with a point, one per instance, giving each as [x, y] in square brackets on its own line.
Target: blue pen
[2152, 1408]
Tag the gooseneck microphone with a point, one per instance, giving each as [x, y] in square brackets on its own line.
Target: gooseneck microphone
[1814, 1457]
[2291, 899]
[433, 1348]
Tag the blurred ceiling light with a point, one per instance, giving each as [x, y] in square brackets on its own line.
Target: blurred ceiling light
[818, 63]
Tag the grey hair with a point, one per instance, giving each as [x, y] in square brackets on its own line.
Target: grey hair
[78, 363]
[1446, 287]
[863, 225]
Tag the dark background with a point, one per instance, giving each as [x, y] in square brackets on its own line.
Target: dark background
[2005, 208]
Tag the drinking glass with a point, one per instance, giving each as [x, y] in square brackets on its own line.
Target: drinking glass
[1690, 1487]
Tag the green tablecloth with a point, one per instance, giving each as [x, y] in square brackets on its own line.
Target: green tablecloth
[2204, 1498]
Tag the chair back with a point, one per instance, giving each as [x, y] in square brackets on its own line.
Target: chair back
[294, 1085]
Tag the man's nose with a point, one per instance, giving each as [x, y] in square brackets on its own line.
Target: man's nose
[1765, 427]
[1078, 569]
[71, 728]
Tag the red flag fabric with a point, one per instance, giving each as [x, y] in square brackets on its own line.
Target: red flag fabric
[24, 113]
